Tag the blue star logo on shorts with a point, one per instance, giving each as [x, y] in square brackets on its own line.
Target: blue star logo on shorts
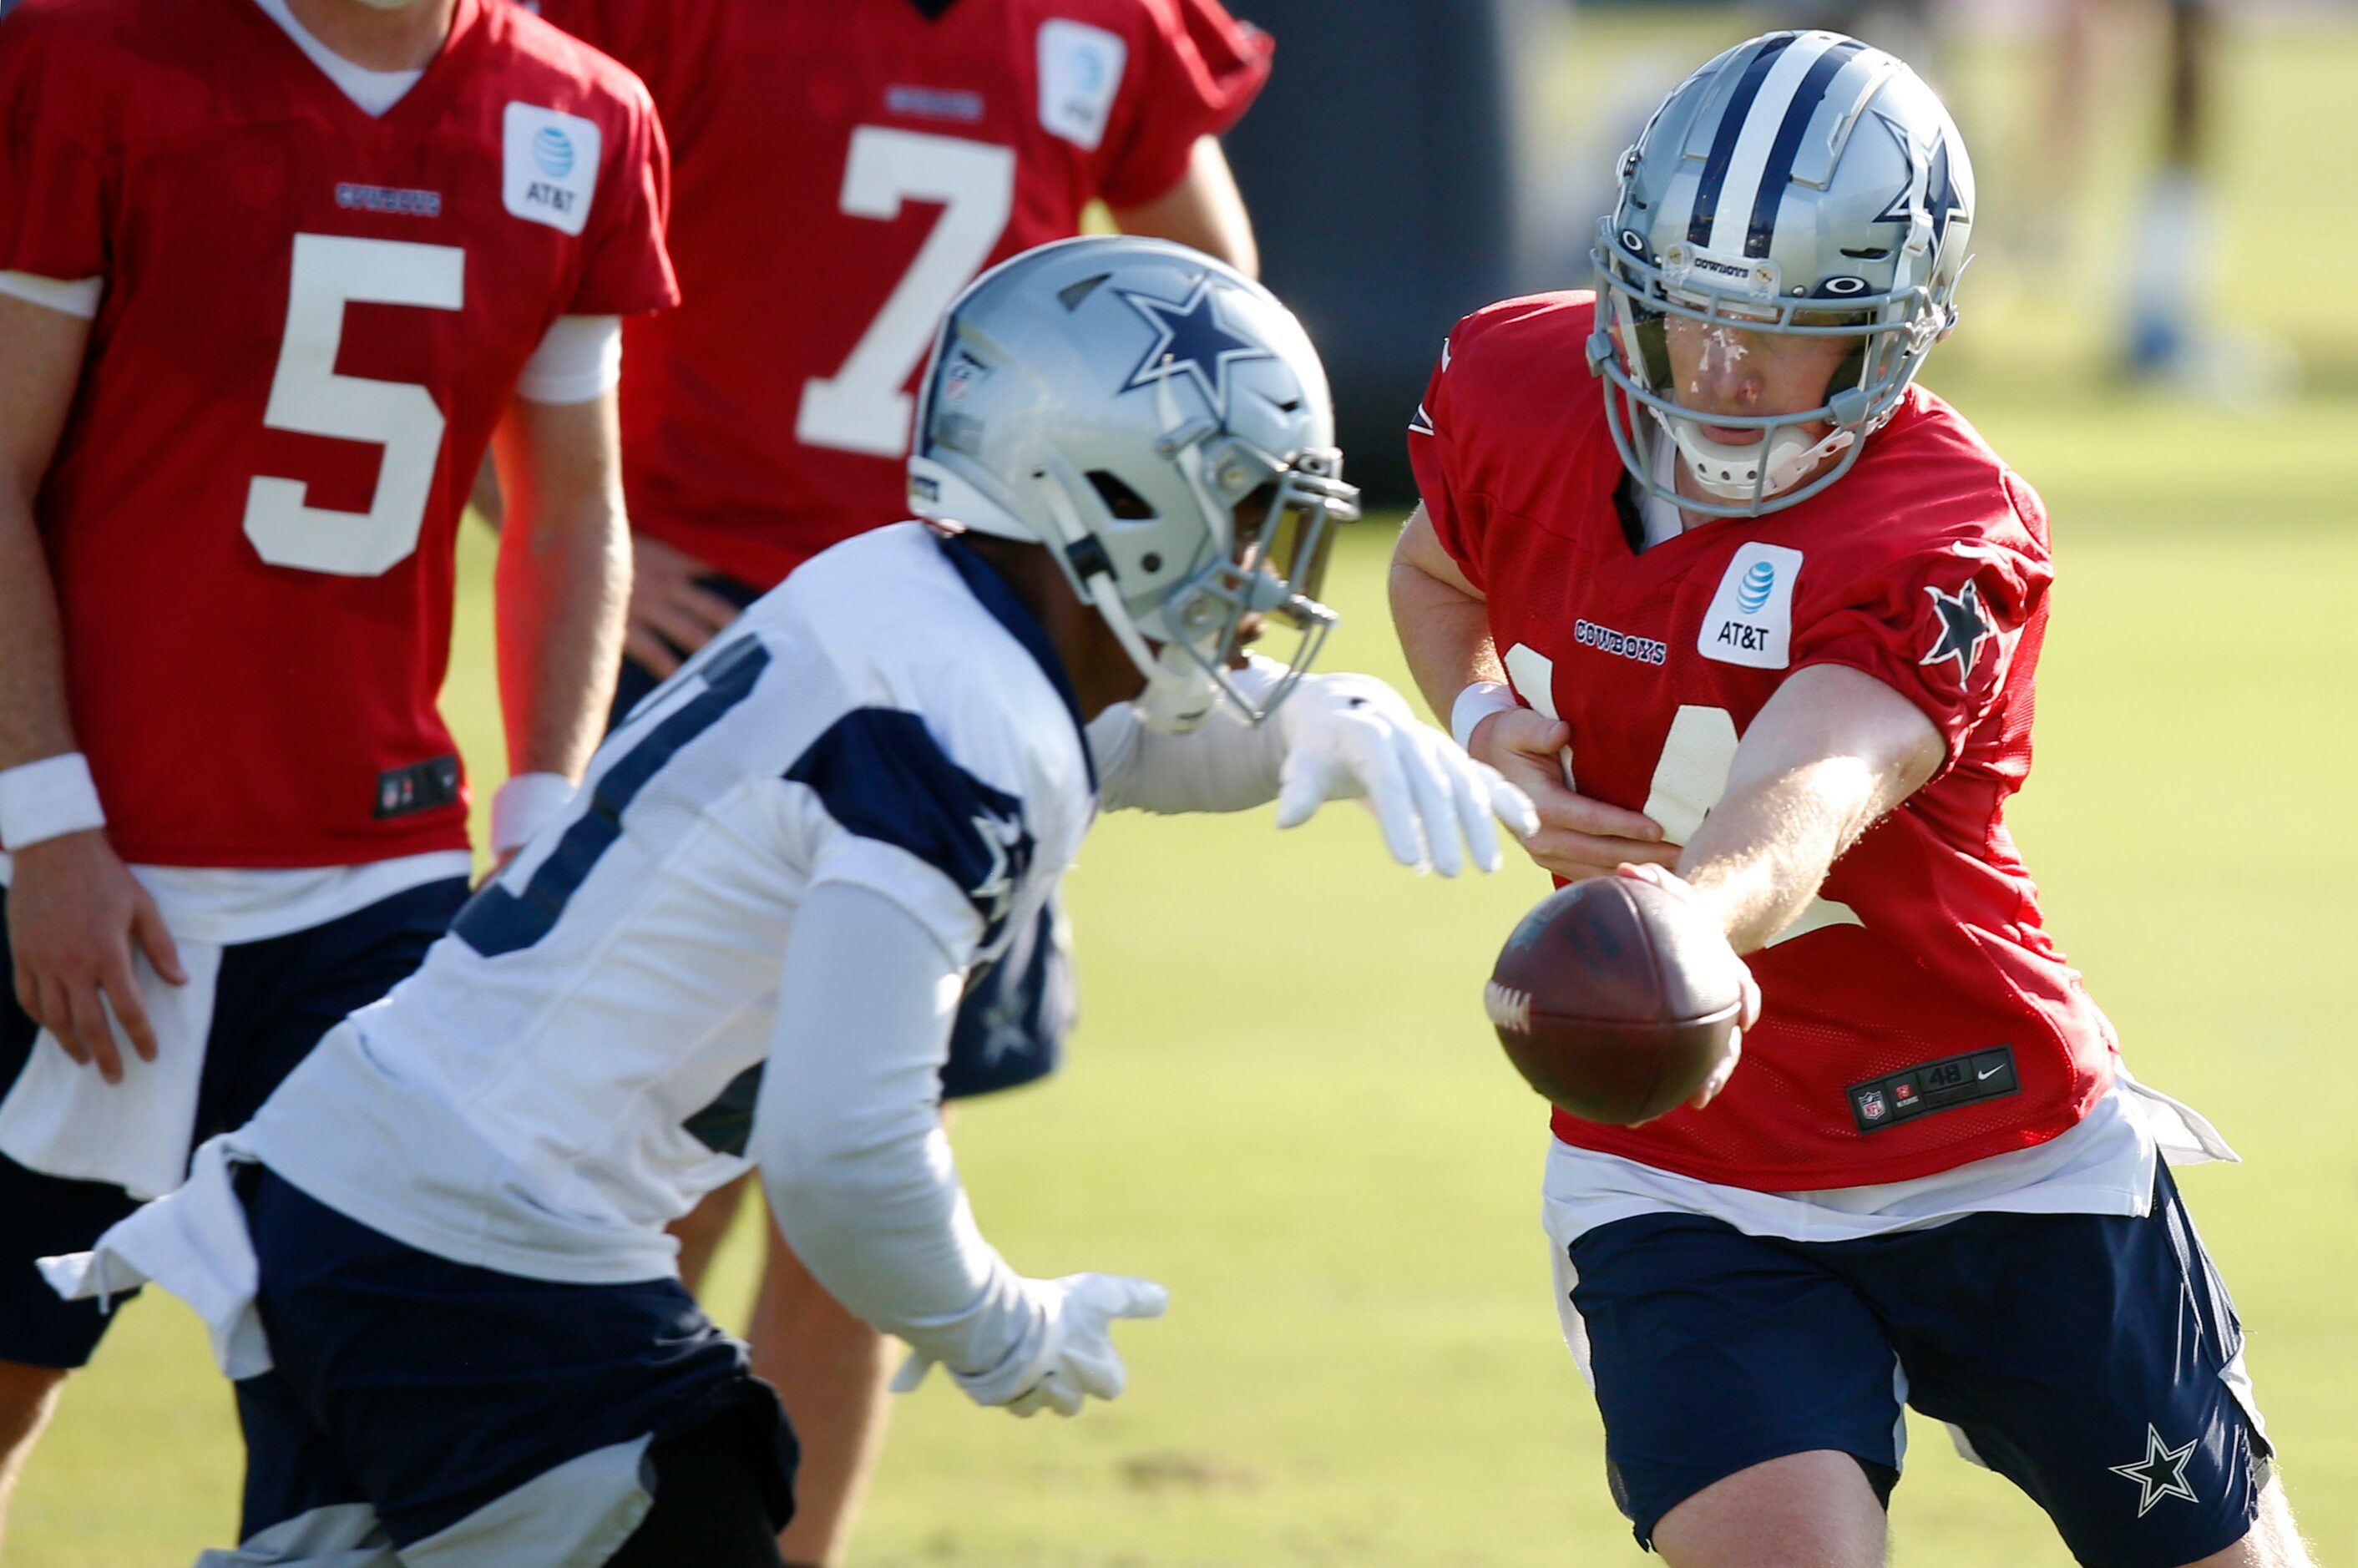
[1191, 340]
[2160, 1474]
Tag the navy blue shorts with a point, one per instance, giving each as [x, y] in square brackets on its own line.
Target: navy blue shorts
[425, 1391]
[1011, 1026]
[2094, 1360]
[275, 1000]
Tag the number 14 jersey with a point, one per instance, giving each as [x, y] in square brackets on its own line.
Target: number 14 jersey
[310, 320]
[844, 169]
[1917, 1016]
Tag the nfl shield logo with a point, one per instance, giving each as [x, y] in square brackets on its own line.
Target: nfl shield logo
[1870, 1105]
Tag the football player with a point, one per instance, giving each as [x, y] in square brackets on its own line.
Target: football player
[437, 1258]
[1753, 615]
[769, 416]
[272, 273]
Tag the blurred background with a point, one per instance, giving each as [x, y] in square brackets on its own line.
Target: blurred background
[2141, 165]
[1284, 1099]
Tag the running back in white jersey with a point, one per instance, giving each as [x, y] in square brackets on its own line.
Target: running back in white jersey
[576, 1062]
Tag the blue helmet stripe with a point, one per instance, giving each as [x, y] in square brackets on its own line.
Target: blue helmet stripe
[1778, 171]
[1724, 139]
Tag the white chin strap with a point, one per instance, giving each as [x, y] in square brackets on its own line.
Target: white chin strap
[1180, 694]
[1728, 472]
[1178, 697]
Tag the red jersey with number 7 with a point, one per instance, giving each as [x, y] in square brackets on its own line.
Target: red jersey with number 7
[1916, 1016]
[311, 321]
[844, 169]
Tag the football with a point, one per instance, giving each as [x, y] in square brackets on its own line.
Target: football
[1614, 1000]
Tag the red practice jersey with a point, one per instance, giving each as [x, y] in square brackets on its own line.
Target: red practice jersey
[311, 322]
[1917, 1015]
[844, 169]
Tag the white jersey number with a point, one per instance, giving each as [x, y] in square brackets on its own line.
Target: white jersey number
[865, 406]
[308, 394]
[1688, 779]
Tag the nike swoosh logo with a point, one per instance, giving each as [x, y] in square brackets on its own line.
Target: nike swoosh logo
[1994, 1072]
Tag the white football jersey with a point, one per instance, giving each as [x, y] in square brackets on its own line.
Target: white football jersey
[576, 1063]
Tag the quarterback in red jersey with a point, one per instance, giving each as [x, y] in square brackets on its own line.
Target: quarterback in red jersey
[1755, 617]
[769, 417]
[272, 275]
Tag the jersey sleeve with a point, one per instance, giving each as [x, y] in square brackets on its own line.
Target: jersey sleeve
[53, 166]
[917, 826]
[1199, 71]
[1942, 625]
[628, 271]
[1434, 434]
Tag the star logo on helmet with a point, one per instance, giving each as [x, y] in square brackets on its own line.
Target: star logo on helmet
[1940, 195]
[1963, 630]
[1191, 340]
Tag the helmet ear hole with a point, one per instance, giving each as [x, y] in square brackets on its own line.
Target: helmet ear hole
[1125, 503]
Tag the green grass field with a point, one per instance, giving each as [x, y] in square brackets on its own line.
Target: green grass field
[1284, 1102]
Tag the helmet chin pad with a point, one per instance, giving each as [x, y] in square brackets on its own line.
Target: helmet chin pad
[1731, 473]
[1179, 695]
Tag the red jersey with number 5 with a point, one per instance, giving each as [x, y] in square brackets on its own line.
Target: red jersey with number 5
[844, 169]
[1917, 1016]
[312, 320]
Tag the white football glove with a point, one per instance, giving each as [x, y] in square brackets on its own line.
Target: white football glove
[1071, 1359]
[1351, 736]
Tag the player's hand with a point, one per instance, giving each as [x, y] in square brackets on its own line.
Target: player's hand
[1073, 1361]
[672, 615]
[1348, 736]
[75, 912]
[1725, 1068]
[1577, 837]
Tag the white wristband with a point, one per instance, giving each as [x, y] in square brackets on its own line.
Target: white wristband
[48, 799]
[526, 804]
[1475, 704]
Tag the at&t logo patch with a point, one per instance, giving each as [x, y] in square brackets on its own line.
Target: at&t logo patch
[550, 166]
[1080, 73]
[1750, 621]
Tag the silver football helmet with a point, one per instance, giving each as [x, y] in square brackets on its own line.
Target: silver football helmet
[1162, 424]
[1799, 183]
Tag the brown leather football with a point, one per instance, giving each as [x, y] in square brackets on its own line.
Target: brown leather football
[1614, 1000]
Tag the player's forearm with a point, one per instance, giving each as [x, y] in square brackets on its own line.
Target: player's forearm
[563, 580]
[40, 365]
[1761, 855]
[1832, 752]
[891, 1238]
[562, 584]
[1443, 626]
[34, 721]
